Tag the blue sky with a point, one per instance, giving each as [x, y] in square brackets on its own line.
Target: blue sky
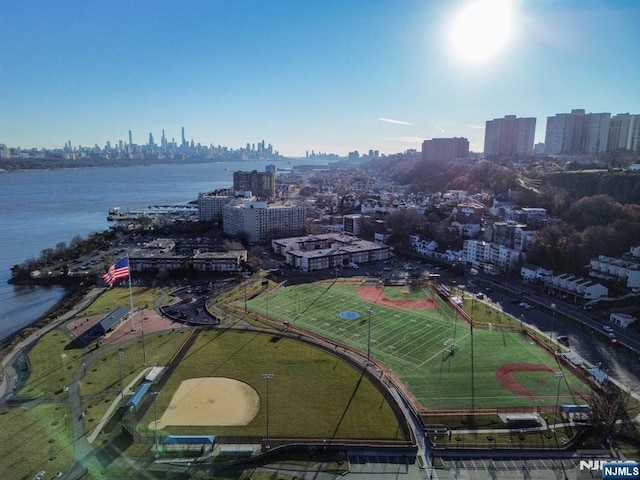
[325, 75]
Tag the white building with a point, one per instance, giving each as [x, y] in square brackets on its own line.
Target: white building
[532, 273]
[422, 246]
[230, 261]
[210, 206]
[330, 250]
[621, 319]
[490, 257]
[624, 269]
[261, 222]
[576, 288]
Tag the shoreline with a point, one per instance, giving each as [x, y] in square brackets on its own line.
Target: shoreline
[71, 297]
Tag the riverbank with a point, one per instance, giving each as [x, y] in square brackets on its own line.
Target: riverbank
[72, 297]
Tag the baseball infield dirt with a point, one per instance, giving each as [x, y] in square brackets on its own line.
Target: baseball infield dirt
[213, 401]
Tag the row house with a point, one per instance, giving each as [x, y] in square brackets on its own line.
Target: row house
[577, 288]
[624, 269]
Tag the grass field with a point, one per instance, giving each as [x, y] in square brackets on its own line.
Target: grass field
[51, 366]
[143, 297]
[411, 343]
[34, 439]
[314, 394]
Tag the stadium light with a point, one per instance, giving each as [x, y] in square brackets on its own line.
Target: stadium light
[553, 321]
[120, 354]
[155, 421]
[369, 313]
[559, 375]
[267, 377]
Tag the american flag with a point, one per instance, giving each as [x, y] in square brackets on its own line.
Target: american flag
[118, 270]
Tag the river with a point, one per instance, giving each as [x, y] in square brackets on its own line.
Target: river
[39, 209]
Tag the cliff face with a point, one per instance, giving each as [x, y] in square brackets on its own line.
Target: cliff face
[623, 186]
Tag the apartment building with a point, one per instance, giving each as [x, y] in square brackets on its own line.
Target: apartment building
[260, 222]
[330, 250]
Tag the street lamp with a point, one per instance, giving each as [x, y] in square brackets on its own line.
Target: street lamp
[267, 377]
[155, 420]
[559, 375]
[120, 354]
[369, 313]
[553, 321]
[144, 350]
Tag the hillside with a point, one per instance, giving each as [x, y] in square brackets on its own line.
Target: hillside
[624, 186]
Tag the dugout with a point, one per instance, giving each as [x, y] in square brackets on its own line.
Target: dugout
[137, 397]
[189, 443]
[575, 412]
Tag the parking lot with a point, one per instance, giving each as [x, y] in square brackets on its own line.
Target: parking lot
[527, 468]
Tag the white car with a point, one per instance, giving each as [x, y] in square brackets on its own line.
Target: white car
[607, 328]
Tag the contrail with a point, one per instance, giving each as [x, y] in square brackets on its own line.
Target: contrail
[439, 128]
[390, 120]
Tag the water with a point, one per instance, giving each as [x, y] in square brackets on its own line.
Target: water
[39, 209]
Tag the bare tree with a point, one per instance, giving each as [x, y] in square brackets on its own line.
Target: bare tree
[608, 405]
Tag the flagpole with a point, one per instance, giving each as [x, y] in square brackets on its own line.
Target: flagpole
[133, 320]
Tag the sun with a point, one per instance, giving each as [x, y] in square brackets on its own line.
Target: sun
[482, 29]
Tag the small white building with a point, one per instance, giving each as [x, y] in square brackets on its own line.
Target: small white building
[532, 273]
[621, 319]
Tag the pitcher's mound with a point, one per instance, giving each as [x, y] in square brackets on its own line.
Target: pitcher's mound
[213, 401]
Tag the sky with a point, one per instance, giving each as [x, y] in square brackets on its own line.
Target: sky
[329, 75]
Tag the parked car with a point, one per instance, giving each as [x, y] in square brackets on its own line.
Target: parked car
[607, 328]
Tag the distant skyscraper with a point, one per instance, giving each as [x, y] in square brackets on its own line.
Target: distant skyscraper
[439, 150]
[130, 139]
[577, 133]
[184, 142]
[509, 136]
[624, 133]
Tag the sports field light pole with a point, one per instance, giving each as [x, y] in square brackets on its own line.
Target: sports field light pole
[369, 313]
[267, 377]
[553, 321]
[559, 375]
[144, 350]
[155, 421]
[120, 354]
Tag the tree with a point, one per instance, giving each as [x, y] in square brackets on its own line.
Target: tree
[608, 405]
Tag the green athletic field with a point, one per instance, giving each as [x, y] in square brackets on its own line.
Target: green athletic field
[416, 346]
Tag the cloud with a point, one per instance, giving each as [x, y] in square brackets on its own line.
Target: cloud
[390, 120]
[439, 128]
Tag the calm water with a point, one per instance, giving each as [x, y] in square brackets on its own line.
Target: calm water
[42, 208]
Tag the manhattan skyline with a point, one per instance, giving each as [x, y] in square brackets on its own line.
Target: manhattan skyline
[331, 76]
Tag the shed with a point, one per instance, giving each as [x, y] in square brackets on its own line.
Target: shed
[110, 321]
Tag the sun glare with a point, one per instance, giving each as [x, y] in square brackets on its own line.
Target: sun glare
[482, 29]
